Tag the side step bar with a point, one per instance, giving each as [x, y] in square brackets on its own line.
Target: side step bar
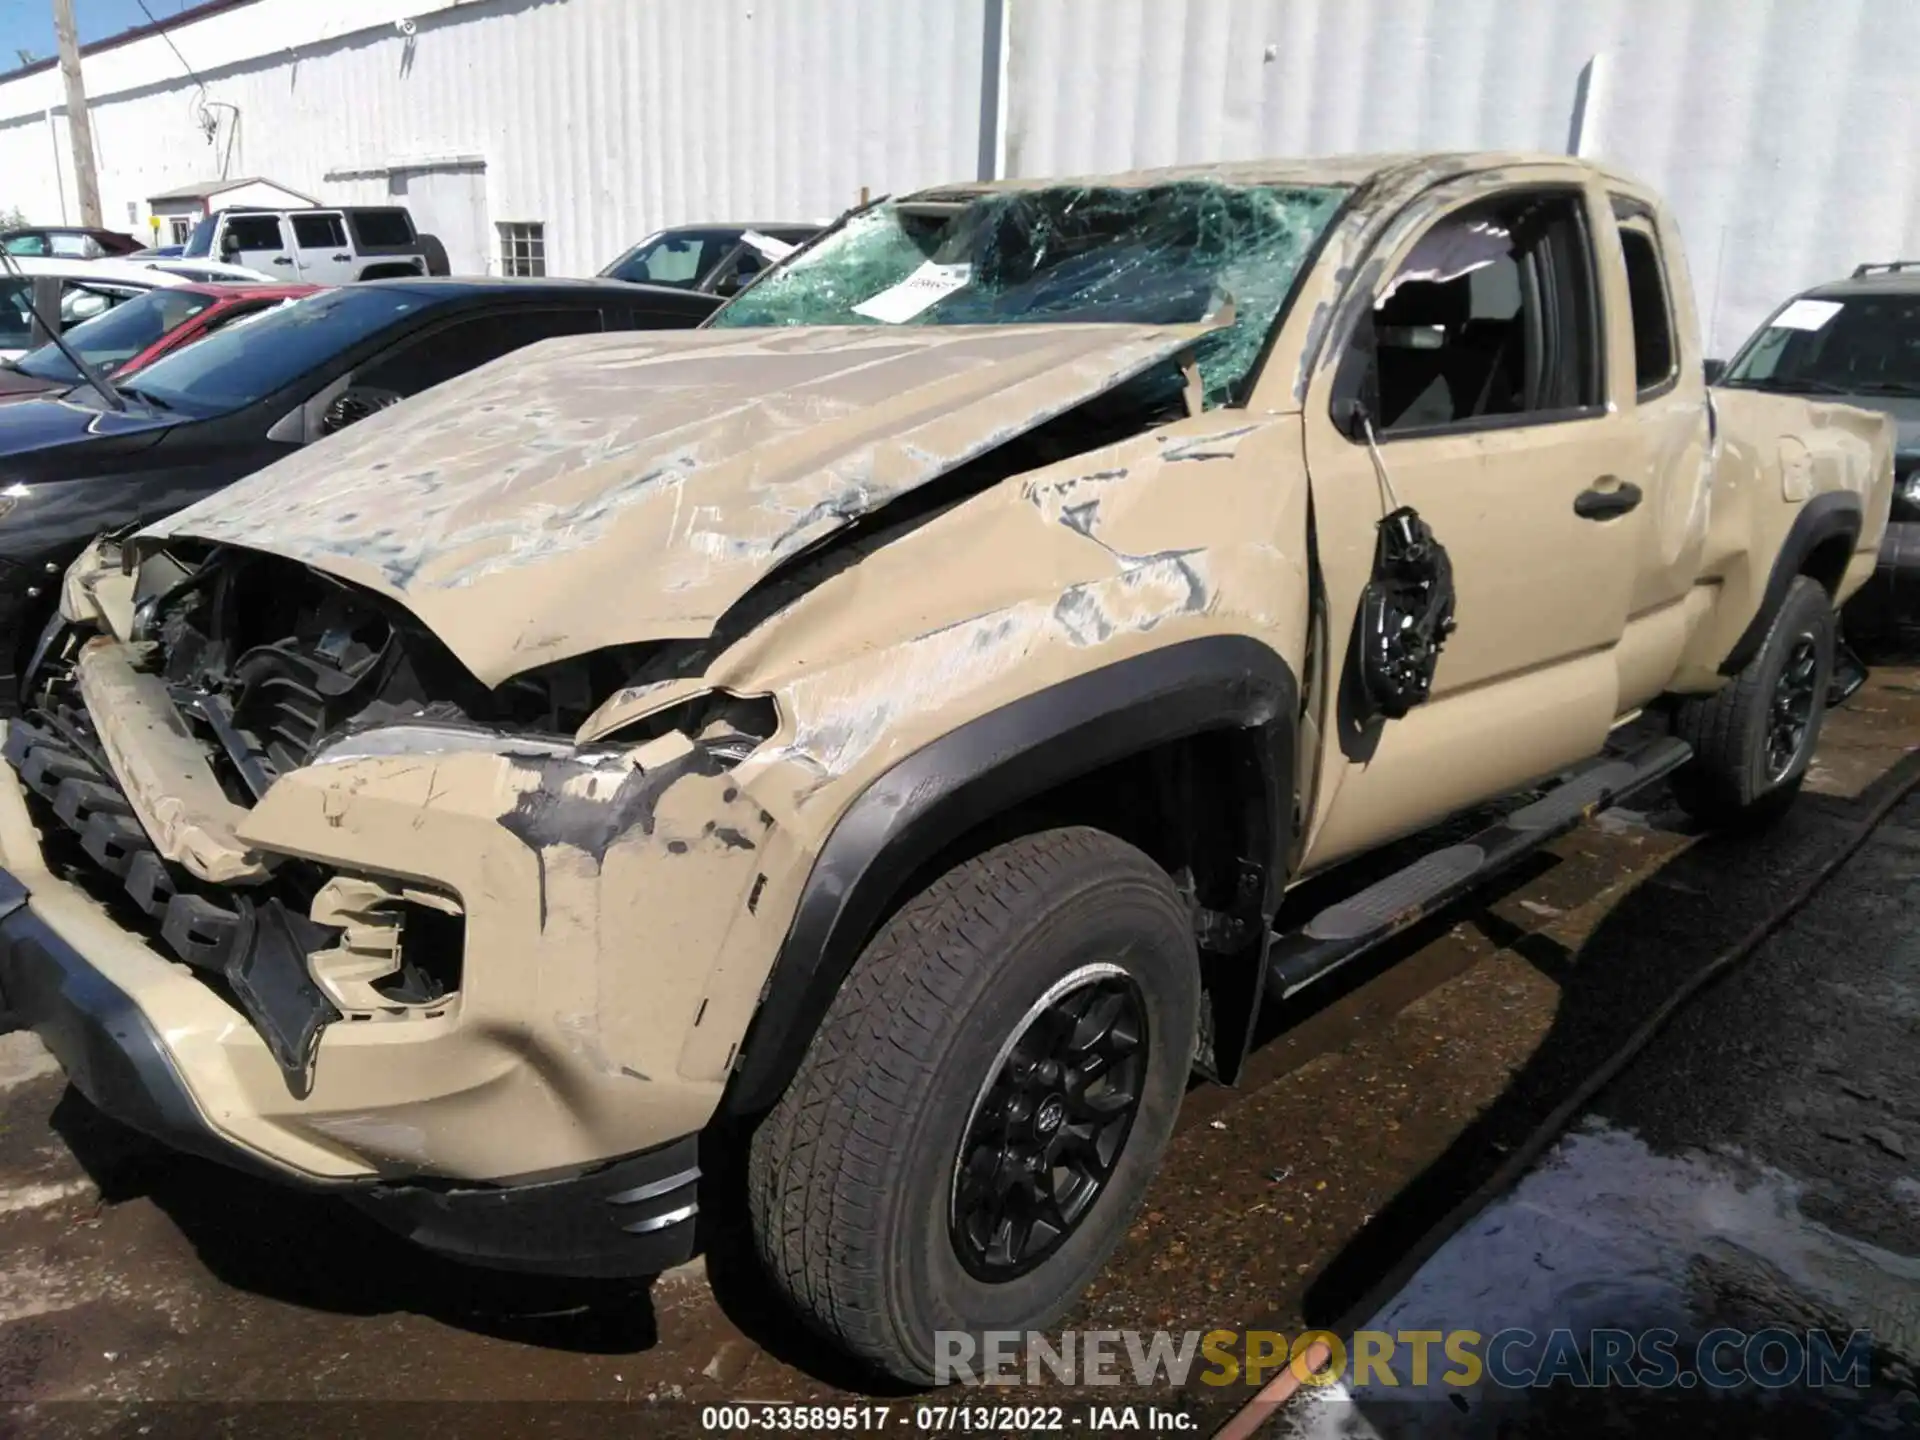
[1363, 920]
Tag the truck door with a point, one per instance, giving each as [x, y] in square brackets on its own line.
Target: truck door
[258, 242]
[320, 247]
[1653, 309]
[1480, 364]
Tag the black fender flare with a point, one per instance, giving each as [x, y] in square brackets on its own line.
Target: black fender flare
[1837, 513]
[935, 795]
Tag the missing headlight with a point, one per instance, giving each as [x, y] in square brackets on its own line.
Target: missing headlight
[728, 727]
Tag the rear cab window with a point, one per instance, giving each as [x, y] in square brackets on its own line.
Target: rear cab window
[1656, 359]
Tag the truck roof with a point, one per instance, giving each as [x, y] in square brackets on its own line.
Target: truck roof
[1894, 277]
[1397, 169]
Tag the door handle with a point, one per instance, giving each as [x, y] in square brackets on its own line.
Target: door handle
[281, 260]
[1598, 504]
[343, 258]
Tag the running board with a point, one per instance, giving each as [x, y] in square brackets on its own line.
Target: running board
[1363, 920]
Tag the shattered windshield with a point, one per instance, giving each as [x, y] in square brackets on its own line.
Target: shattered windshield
[1157, 255]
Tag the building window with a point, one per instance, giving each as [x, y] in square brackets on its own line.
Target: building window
[179, 227]
[523, 247]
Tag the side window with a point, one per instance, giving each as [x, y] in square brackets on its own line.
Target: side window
[467, 344]
[16, 319]
[1653, 350]
[1492, 315]
[254, 232]
[317, 232]
[375, 228]
[75, 247]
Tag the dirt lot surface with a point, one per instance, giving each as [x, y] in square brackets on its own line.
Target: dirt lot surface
[146, 1294]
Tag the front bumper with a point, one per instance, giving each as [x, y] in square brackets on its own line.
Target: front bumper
[633, 1216]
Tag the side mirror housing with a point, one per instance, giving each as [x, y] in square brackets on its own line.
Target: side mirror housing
[1715, 369]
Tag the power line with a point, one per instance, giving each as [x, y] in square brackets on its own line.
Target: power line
[166, 36]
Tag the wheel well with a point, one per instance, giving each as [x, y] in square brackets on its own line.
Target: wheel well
[1827, 562]
[1198, 807]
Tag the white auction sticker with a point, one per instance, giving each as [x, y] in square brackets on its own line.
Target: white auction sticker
[1806, 315]
[927, 286]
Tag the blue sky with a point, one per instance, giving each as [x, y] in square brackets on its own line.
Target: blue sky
[28, 24]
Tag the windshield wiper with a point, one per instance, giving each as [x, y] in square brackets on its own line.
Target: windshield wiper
[92, 376]
[1887, 387]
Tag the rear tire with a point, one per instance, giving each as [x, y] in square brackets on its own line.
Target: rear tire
[1753, 739]
[964, 1066]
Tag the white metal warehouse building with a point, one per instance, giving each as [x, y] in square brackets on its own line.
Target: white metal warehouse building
[1785, 132]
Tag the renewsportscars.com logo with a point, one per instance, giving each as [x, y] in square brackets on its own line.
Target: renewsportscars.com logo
[1511, 1359]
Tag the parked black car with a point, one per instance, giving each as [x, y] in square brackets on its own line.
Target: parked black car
[74, 466]
[1858, 340]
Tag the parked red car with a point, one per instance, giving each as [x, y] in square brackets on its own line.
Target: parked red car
[140, 331]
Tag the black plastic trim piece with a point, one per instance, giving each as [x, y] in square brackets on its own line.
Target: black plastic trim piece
[109, 1050]
[635, 1216]
[1837, 513]
[983, 768]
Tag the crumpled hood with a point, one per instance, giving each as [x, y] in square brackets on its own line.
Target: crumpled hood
[594, 491]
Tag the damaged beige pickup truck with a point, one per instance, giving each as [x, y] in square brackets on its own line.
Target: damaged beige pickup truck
[859, 750]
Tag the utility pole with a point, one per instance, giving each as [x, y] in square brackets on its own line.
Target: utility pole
[79, 127]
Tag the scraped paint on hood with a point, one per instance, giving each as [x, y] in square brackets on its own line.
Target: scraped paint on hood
[594, 491]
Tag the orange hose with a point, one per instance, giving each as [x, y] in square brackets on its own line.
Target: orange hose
[1275, 1393]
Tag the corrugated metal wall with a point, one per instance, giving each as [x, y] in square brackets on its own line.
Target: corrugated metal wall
[602, 118]
[1785, 132]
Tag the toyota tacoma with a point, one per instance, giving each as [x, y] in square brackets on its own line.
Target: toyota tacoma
[873, 735]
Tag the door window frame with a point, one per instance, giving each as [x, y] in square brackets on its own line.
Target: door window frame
[1350, 373]
[336, 230]
[1629, 212]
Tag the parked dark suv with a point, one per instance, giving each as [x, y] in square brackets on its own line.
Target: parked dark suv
[74, 466]
[1858, 340]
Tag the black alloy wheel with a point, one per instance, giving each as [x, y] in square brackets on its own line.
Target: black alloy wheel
[1790, 718]
[1049, 1124]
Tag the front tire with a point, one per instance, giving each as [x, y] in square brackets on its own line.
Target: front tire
[1753, 739]
[980, 1112]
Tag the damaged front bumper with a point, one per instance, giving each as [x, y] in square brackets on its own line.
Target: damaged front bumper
[540, 1110]
[636, 1215]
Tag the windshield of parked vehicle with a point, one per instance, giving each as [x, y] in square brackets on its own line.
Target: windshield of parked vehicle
[1159, 255]
[680, 257]
[1862, 345]
[245, 363]
[108, 341]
